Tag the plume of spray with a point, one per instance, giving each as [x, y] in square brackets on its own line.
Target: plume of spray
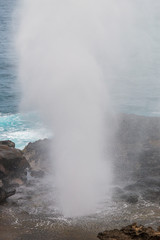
[63, 47]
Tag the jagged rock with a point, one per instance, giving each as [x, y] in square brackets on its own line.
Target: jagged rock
[13, 165]
[13, 169]
[12, 161]
[130, 232]
[37, 154]
[5, 194]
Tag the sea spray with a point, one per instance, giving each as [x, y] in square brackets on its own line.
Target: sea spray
[62, 52]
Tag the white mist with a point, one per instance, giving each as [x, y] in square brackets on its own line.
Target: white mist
[63, 48]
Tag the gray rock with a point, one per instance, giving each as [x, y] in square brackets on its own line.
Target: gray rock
[137, 155]
[37, 154]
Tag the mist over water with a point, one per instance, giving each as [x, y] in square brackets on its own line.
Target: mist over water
[72, 55]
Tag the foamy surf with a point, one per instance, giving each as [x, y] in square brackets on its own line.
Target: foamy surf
[22, 128]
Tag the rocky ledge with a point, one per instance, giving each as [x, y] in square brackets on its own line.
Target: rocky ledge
[136, 162]
[131, 232]
[13, 169]
[16, 164]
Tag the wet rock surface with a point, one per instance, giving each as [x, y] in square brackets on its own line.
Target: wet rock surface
[13, 167]
[136, 154]
[136, 189]
[137, 157]
[12, 161]
[16, 164]
[130, 232]
[4, 194]
[37, 154]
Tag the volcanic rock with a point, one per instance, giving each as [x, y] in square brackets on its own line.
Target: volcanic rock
[137, 147]
[8, 143]
[37, 154]
[130, 232]
[12, 163]
[137, 156]
[5, 194]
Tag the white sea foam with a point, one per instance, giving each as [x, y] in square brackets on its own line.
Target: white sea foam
[22, 128]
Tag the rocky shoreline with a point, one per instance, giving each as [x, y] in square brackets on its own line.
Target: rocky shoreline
[131, 232]
[137, 158]
[16, 164]
[136, 164]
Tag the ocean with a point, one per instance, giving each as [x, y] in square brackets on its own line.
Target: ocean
[135, 88]
[20, 128]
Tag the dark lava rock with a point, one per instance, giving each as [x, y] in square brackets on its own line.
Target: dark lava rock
[5, 194]
[12, 161]
[8, 143]
[13, 165]
[130, 232]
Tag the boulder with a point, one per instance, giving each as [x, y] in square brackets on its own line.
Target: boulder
[12, 160]
[12, 164]
[130, 232]
[37, 154]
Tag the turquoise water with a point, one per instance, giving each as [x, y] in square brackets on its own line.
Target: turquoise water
[134, 89]
[22, 128]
